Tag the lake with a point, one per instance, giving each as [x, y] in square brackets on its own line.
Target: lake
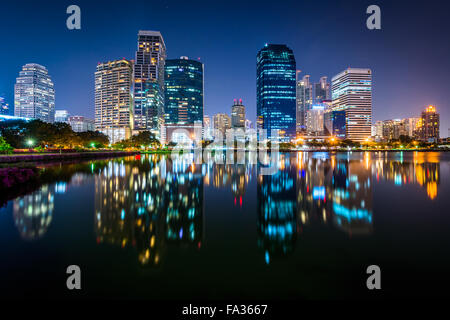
[153, 227]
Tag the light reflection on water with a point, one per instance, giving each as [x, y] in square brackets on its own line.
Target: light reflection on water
[150, 203]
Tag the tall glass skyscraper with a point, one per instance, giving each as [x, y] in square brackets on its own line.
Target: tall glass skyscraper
[184, 91]
[276, 91]
[34, 94]
[4, 107]
[149, 81]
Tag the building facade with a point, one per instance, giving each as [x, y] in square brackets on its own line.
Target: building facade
[304, 100]
[61, 116]
[428, 128]
[352, 92]
[238, 115]
[322, 90]
[113, 99]
[34, 94]
[334, 123]
[222, 122]
[184, 91]
[149, 82]
[315, 120]
[81, 124]
[276, 91]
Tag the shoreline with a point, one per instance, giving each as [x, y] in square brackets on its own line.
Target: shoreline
[63, 156]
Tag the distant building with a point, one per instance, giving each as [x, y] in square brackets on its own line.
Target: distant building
[276, 91]
[184, 91]
[248, 124]
[81, 124]
[222, 122]
[208, 133]
[4, 107]
[113, 99]
[428, 128]
[238, 115]
[352, 93]
[315, 121]
[304, 100]
[149, 82]
[393, 129]
[322, 90]
[62, 116]
[34, 94]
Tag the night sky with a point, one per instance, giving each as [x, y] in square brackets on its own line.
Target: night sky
[409, 56]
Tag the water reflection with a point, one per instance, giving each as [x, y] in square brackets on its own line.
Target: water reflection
[151, 203]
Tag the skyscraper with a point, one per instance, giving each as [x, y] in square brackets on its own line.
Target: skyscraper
[238, 115]
[184, 91]
[315, 120]
[428, 129]
[304, 93]
[113, 99]
[352, 92]
[321, 90]
[149, 81]
[276, 91]
[34, 94]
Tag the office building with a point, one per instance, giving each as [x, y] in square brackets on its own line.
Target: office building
[238, 115]
[81, 124]
[304, 100]
[184, 91]
[315, 121]
[149, 82]
[113, 99]
[322, 90]
[352, 93]
[61, 116]
[334, 122]
[221, 122]
[34, 94]
[276, 91]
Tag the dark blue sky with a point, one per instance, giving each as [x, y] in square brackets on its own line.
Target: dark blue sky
[410, 56]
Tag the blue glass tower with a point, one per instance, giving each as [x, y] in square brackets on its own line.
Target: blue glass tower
[276, 90]
[184, 91]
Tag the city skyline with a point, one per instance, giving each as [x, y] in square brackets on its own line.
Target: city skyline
[395, 83]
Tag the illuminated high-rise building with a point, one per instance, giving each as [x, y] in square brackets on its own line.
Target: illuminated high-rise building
[222, 122]
[352, 92]
[429, 125]
[238, 115]
[34, 94]
[149, 82]
[315, 120]
[184, 91]
[276, 91]
[304, 94]
[113, 99]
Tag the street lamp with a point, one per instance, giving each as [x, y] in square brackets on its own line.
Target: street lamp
[30, 142]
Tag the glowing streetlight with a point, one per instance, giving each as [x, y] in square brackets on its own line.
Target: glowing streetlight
[30, 142]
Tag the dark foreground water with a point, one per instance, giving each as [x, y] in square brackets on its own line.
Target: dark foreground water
[152, 227]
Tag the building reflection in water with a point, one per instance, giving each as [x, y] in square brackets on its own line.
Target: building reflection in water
[423, 170]
[152, 202]
[33, 213]
[149, 203]
[277, 207]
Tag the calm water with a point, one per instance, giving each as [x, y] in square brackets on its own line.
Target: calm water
[157, 228]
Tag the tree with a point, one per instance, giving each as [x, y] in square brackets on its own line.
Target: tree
[5, 147]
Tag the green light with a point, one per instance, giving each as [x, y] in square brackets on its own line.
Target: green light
[30, 142]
